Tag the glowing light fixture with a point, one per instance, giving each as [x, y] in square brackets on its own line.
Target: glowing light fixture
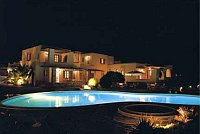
[46, 53]
[87, 58]
[181, 89]
[86, 87]
[20, 81]
[9, 69]
[92, 82]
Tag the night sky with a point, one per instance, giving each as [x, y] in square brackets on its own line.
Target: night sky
[148, 31]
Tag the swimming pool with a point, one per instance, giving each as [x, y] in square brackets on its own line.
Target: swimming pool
[84, 98]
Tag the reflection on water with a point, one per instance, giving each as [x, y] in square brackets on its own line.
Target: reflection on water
[60, 101]
[81, 98]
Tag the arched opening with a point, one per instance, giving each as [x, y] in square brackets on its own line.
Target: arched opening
[65, 58]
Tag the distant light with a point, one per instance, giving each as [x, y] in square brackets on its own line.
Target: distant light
[198, 86]
[190, 86]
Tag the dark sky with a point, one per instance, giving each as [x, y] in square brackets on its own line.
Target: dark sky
[147, 31]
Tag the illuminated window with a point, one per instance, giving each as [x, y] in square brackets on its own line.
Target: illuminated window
[102, 61]
[28, 57]
[74, 75]
[87, 59]
[66, 74]
[56, 58]
[82, 59]
[168, 73]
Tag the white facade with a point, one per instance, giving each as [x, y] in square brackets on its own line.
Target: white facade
[56, 65]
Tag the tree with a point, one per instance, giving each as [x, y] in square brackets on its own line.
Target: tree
[111, 79]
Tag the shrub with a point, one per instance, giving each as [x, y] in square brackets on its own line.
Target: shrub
[111, 79]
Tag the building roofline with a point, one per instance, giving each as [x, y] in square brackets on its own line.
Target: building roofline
[132, 63]
[31, 46]
[52, 47]
[145, 64]
[56, 48]
[98, 54]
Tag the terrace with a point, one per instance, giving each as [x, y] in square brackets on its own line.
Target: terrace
[66, 110]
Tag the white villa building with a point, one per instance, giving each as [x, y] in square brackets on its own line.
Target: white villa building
[57, 65]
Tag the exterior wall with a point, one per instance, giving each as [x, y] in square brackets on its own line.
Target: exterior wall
[34, 52]
[33, 62]
[124, 68]
[77, 59]
[43, 56]
[73, 76]
[50, 55]
[71, 58]
[92, 61]
[92, 64]
[150, 75]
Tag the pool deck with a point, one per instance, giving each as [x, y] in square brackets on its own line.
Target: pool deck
[10, 90]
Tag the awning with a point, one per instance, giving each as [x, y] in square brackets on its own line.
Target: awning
[70, 67]
[95, 70]
[134, 73]
[64, 66]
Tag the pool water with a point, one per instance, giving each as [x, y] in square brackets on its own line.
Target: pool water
[85, 98]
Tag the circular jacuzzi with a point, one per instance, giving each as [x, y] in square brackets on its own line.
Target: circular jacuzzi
[60, 99]
[133, 114]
